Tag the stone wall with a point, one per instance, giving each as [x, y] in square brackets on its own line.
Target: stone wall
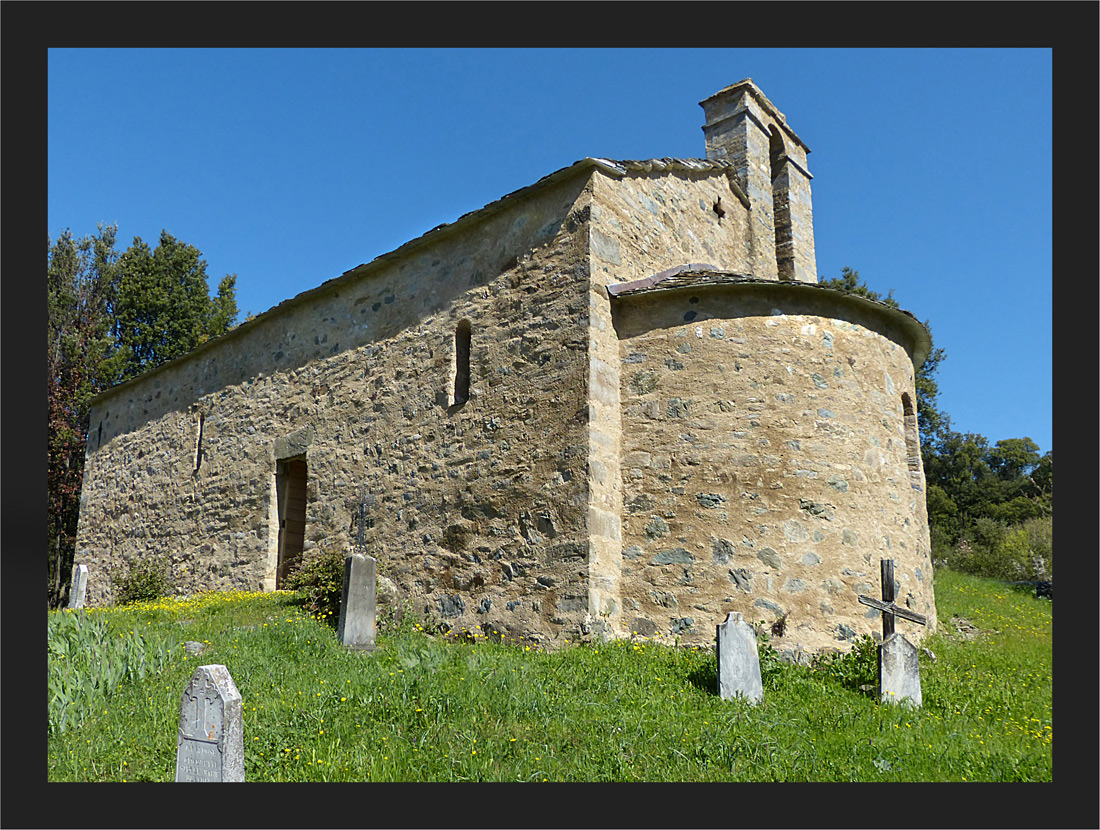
[642, 222]
[765, 465]
[478, 512]
[645, 223]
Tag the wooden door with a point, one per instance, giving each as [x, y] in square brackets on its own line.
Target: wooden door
[290, 484]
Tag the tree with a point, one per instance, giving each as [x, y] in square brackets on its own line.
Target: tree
[1043, 475]
[161, 306]
[957, 466]
[850, 282]
[78, 273]
[934, 423]
[112, 317]
[1008, 483]
[1013, 458]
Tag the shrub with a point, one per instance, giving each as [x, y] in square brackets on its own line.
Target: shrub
[144, 579]
[319, 577]
[1040, 538]
[999, 552]
[991, 549]
[771, 664]
[856, 670]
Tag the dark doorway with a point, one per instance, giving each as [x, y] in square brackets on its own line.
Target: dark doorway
[290, 485]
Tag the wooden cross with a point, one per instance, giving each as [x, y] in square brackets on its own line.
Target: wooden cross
[887, 606]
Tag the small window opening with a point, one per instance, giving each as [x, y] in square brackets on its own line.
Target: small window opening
[462, 363]
[912, 441]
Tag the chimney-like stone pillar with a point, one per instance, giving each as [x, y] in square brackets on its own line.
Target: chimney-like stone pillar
[745, 128]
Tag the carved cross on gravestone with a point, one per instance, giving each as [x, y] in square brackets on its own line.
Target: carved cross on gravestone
[210, 739]
[898, 667]
[887, 606]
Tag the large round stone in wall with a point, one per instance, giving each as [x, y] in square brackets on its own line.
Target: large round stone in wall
[767, 466]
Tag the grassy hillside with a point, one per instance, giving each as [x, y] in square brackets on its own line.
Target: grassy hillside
[435, 708]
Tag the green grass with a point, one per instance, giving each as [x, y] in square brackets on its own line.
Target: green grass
[434, 708]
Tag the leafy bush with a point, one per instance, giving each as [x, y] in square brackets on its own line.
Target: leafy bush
[992, 549]
[319, 576]
[856, 670]
[1040, 538]
[144, 579]
[771, 664]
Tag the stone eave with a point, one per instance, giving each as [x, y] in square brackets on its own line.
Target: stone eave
[687, 278]
[613, 168]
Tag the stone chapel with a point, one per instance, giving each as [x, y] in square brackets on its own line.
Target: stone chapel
[615, 402]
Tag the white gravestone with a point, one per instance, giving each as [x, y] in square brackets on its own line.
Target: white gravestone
[210, 743]
[899, 671]
[78, 590]
[357, 607]
[738, 660]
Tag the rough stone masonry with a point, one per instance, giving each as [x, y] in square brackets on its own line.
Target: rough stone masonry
[614, 401]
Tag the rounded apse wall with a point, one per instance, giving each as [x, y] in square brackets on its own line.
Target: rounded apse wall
[767, 467]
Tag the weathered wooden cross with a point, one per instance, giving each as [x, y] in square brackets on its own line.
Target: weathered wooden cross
[887, 605]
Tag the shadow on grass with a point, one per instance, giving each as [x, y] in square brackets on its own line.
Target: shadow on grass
[705, 678]
[1037, 589]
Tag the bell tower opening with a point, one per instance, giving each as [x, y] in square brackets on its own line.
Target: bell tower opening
[769, 165]
[781, 206]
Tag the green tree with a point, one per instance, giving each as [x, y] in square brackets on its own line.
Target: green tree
[1013, 458]
[78, 275]
[850, 282]
[1043, 475]
[161, 306]
[959, 468]
[112, 317]
[933, 422]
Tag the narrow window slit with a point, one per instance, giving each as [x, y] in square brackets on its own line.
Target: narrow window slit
[462, 363]
[912, 441]
[198, 442]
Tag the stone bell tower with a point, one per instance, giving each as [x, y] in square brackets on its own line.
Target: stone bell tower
[745, 128]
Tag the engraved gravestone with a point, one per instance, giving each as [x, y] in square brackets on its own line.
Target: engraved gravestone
[738, 660]
[357, 606]
[210, 742]
[78, 590]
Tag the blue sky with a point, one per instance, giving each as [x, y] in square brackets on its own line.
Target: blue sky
[932, 168]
